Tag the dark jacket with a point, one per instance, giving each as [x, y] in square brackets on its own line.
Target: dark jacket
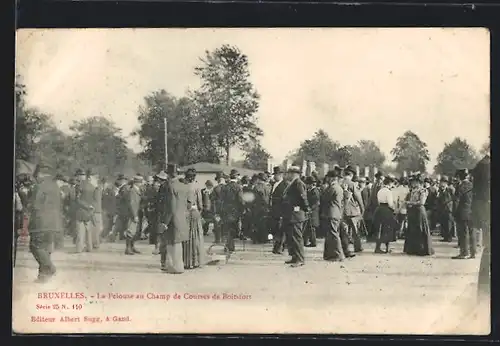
[232, 202]
[46, 207]
[313, 198]
[262, 193]
[464, 195]
[109, 199]
[444, 203]
[331, 205]
[276, 199]
[216, 199]
[85, 201]
[365, 196]
[431, 201]
[295, 204]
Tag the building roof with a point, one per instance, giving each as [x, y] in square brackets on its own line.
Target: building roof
[207, 167]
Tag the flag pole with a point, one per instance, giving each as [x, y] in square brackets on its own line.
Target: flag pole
[166, 147]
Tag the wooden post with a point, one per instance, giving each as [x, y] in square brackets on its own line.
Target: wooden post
[326, 167]
[312, 167]
[304, 167]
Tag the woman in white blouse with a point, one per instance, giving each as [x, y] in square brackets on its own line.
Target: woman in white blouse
[384, 222]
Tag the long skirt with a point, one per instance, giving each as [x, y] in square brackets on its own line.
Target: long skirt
[384, 224]
[193, 248]
[333, 246]
[174, 263]
[418, 239]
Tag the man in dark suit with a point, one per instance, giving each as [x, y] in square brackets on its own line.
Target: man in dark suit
[260, 210]
[232, 209]
[444, 208]
[331, 212]
[353, 207]
[295, 209]
[216, 204]
[276, 211]
[173, 227]
[45, 219]
[373, 204]
[463, 216]
[206, 213]
[313, 197]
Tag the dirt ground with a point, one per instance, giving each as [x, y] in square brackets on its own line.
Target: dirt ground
[255, 292]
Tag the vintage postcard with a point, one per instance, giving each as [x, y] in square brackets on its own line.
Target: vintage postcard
[326, 181]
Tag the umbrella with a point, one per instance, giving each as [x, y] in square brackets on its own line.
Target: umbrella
[24, 167]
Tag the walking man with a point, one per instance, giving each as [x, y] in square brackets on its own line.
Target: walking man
[45, 219]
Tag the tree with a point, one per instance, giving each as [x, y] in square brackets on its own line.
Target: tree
[187, 139]
[98, 143]
[30, 124]
[227, 100]
[256, 157]
[366, 154]
[410, 153]
[455, 155]
[57, 149]
[485, 149]
[320, 149]
[344, 155]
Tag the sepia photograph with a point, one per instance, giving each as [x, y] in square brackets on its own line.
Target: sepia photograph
[252, 181]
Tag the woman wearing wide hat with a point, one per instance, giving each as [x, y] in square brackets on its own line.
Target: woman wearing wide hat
[418, 239]
[193, 247]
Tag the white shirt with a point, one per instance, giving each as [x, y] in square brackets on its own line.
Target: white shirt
[399, 194]
[385, 196]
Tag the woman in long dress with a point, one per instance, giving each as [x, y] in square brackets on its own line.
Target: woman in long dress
[384, 221]
[193, 247]
[418, 240]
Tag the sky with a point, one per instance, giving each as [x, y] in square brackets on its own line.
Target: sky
[362, 83]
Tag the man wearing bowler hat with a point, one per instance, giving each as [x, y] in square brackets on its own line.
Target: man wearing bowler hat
[216, 205]
[276, 211]
[444, 209]
[463, 216]
[232, 209]
[295, 210]
[373, 204]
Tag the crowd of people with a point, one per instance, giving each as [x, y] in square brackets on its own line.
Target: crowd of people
[284, 207]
